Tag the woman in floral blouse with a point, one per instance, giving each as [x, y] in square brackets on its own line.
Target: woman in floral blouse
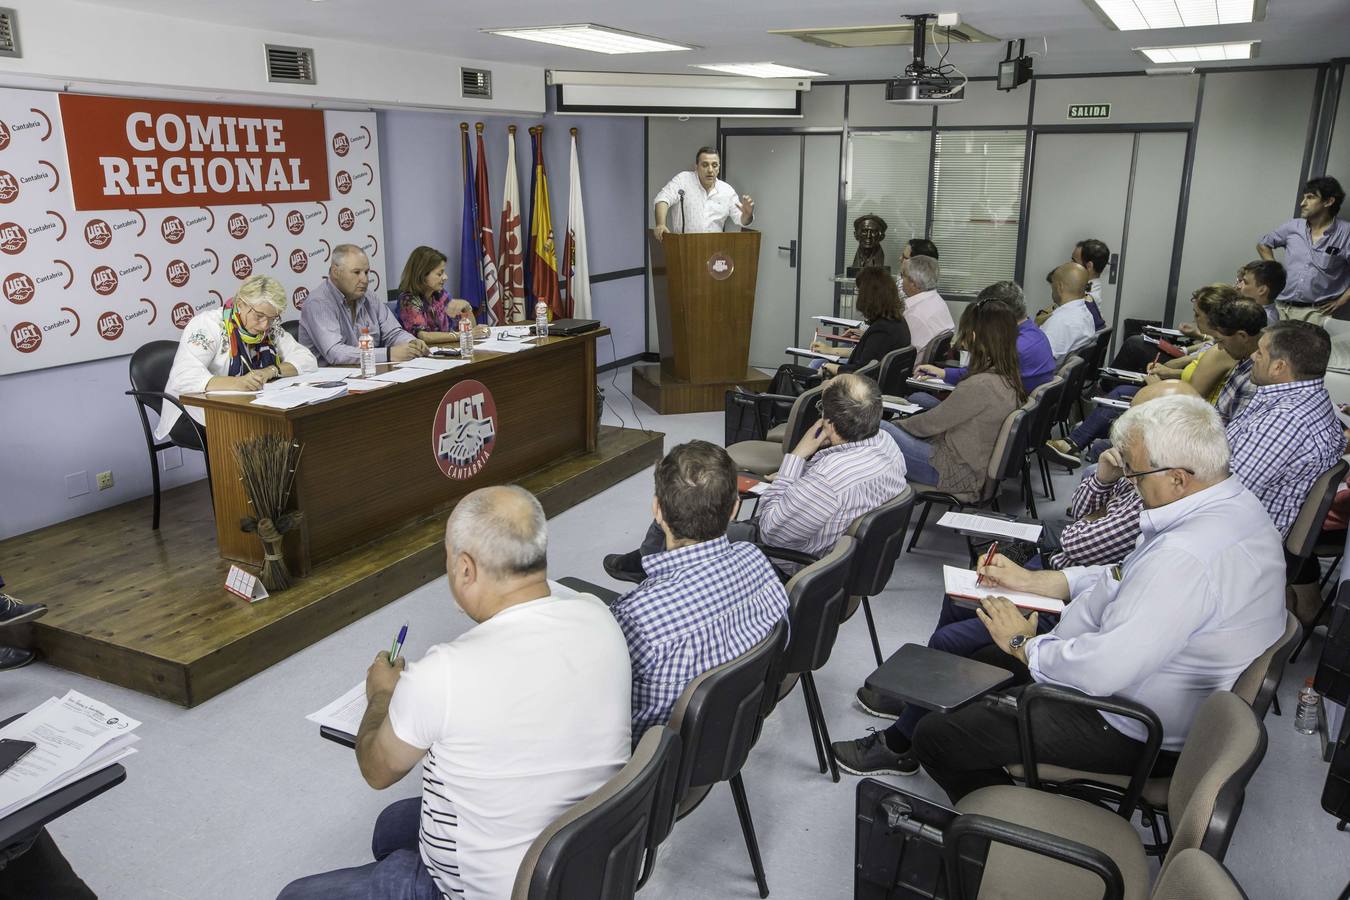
[424, 308]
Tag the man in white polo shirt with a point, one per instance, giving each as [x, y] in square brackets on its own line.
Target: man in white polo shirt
[516, 720]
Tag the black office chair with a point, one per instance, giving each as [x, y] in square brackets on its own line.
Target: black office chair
[937, 347]
[896, 368]
[1301, 542]
[595, 850]
[880, 534]
[149, 369]
[292, 328]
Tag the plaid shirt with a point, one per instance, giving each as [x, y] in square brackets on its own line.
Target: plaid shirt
[1106, 540]
[700, 606]
[1282, 440]
[1236, 391]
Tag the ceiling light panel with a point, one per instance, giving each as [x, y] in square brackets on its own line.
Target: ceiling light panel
[762, 70]
[1201, 52]
[595, 38]
[1134, 15]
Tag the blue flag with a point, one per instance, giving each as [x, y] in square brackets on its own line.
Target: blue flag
[471, 286]
[530, 298]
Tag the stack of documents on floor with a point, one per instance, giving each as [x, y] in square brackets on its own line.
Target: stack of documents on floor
[960, 585]
[75, 736]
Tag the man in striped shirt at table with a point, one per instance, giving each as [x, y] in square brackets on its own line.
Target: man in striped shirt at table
[705, 600]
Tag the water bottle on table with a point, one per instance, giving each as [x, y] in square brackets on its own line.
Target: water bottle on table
[541, 319]
[1309, 707]
[465, 338]
[366, 345]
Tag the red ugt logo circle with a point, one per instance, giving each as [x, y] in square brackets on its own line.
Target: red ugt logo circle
[465, 430]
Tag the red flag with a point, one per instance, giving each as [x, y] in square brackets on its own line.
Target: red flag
[492, 293]
[543, 254]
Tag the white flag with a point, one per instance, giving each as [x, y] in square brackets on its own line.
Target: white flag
[511, 258]
[578, 303]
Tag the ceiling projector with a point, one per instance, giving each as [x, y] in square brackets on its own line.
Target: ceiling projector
[921, 83]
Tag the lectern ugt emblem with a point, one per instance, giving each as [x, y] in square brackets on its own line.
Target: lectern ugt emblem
[720, 266]
[465, 430]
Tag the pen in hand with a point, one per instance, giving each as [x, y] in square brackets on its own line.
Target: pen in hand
[395, 650]
[988, 558]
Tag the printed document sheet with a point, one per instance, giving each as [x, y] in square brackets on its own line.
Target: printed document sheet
[1017, 531]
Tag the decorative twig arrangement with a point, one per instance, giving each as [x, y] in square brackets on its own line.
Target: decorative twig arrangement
[267, 464]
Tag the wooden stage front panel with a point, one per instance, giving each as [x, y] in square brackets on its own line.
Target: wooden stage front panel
[148, 610]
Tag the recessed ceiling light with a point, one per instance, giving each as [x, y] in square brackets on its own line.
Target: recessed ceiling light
[596, 38]
[1132, 15]
[761, 70]
[1201, 52]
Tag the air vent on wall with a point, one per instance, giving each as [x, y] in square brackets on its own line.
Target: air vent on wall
[476, 83]
[860, 36]
[9, 32]
[290, 65]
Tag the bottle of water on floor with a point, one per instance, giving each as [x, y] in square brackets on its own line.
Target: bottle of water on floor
[1309, 706]
[541, 319]
[465, 338]
[366, 345]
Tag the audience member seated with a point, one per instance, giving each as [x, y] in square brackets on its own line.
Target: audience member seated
[1263, 280]
[41, 871]
[1198, 599]
[949, 446]
[918, 247]
[841, 468]
[926, 312]
[14, 611]
[705, 600]
[1237, 328]
[1206, 370]
[1103, 531]
[1094, 256]
[339, 307]
[1070, 326]
[240, 347]
[1287, 434]
[1034, 359]
[425, 310]
[514, 721]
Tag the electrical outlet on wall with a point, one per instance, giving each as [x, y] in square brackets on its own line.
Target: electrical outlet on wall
[77, 484]
[105, 480]
[171, 457]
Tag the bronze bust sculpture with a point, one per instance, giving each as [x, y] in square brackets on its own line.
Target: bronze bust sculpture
[869, 230]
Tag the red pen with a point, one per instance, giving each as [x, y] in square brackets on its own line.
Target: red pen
[988, 558]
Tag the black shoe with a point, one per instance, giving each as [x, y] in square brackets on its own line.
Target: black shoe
[12, 612]
[874, 704]
[14, 658]
[870, 756]
[625, 566]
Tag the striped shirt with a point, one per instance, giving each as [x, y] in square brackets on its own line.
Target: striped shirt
[809, 505]
[1108, 539]
[1282, 440]
[700, 606]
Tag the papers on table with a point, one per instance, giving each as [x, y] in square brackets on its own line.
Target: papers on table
[931, 384]
[362, 385]
[344, 713]
[960, 585]
[403, 375]
[493, 345]
[1111, 402]
[1168, 332]
[322, 374]
[841, 323]
[435, 365]
[1123, 375]
[908, 409]
[298, 395]
[1018, 531]
[747, 484]
[75, 736]
[798, 351]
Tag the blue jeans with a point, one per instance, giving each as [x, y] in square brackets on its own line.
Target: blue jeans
[924, 399]
[1098, 422]
[918, 455]
[397, 873]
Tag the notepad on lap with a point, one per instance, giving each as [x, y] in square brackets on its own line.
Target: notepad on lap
[1123, 375]
[1111, 402]
[798, 351]
[931, 384]
[748, 485]
[959, 584]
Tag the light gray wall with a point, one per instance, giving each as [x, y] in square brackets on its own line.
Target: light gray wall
[1142, 98]
[1338, 156]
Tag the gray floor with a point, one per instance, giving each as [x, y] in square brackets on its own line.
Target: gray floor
[237, 797]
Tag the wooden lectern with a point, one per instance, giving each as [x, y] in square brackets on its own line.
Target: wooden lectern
[704, 286]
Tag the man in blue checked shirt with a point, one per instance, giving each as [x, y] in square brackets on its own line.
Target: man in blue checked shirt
[705, 600]
[1316, 254]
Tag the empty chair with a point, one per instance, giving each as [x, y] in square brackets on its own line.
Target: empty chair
[149, 369]
[293, 327]
[764, 457]
[1074, 372]
[1046, 399]
[937, 347]
[896, 367]
[880, 534]
[594, 851]
[1301, 541]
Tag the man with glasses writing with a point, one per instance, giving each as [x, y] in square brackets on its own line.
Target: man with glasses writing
[1200, 597]
[238, 348]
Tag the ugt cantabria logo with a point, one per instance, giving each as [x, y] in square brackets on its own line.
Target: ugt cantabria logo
[465, 430]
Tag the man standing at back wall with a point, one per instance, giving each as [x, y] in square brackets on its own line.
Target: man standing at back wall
[1316, 254]
[698, 201]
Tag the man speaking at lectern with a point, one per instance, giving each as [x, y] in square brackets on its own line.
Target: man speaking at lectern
[698, 201]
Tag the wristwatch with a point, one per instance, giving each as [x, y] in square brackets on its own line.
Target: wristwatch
[1017, 642]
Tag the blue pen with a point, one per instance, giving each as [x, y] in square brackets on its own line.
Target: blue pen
[398, 644]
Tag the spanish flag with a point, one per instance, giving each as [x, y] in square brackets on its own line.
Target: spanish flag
[543, 253]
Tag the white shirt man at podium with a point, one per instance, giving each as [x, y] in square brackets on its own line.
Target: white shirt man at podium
[698, 201]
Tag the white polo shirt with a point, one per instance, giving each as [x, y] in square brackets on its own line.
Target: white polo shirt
[705, 210]
[522, 716]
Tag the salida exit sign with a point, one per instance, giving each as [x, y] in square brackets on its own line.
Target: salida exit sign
[1089, 110]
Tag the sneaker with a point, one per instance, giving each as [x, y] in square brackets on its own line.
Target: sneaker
[1063, 453]
[625, 566]
[874, 704]
[870, 756]
[15, 658]
[12, 612]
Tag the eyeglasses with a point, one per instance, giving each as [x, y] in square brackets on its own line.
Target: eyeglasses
[245, 309]
[1125, 471]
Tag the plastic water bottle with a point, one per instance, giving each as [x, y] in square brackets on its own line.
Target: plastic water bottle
[465, 338]
[366, 344]
[1309, 706]
[541, 319]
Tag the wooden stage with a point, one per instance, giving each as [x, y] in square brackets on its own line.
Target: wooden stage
[148, 610]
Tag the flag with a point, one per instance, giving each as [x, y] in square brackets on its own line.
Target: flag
[575, 268]
[470, 250]
[529, 226]
[510, 256]
[492, 294]
[543, 254]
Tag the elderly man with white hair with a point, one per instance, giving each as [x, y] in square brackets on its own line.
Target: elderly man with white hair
[1199, 598]
[926, 312]
[514, 721]
[239, 347]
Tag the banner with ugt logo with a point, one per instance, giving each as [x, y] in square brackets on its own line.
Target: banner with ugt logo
[121, 219]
